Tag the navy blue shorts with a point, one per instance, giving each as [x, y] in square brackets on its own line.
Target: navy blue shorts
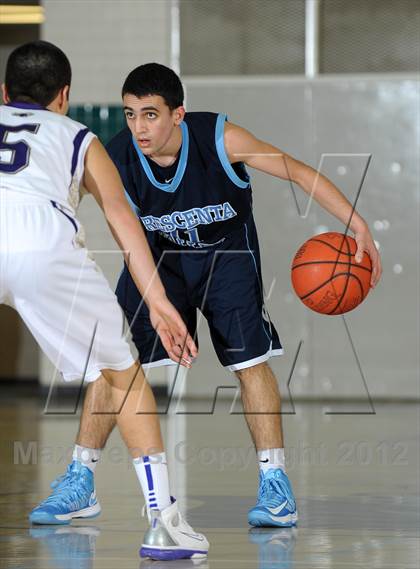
[224, 282]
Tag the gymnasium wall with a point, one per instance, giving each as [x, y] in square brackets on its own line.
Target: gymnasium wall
[105, 40]
[267, 37]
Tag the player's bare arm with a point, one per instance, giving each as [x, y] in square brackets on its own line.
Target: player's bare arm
[243, 146]
[102, 180]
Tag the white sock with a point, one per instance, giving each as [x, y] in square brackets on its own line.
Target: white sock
[152, 472]
[87, 456]
[271, 458]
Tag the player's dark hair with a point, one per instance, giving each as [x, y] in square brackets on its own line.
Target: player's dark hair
[155, 79]
[35, 73]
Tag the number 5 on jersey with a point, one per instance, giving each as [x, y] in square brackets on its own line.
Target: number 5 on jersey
[14, 156]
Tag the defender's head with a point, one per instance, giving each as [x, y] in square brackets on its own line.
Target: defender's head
[153, 100]
[38, 72]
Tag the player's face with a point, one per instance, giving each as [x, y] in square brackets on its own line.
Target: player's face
[151, 122]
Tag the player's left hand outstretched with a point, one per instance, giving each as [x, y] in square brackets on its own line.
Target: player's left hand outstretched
[173, 333]
[366, 243]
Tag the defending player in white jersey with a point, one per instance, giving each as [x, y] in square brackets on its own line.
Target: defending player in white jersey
[47, 275]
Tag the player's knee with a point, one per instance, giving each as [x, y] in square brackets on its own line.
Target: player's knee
[250, 373]
[131, 378]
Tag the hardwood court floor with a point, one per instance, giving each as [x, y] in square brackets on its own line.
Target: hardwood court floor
[356, 478]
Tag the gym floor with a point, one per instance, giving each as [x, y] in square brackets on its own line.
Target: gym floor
[355, 476]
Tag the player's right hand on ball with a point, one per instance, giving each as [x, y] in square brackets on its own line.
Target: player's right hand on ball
[173, 333]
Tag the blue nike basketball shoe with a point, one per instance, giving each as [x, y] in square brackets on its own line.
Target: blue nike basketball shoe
[73, 496]
[276, 505]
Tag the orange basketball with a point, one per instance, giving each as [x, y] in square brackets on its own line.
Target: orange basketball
[325, 274]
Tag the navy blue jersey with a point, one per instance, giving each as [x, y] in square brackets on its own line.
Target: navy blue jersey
[194, 203]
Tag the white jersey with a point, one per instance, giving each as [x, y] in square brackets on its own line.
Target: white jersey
[45, 272]
[42, 153]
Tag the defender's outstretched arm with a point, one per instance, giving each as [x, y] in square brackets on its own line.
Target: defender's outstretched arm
[102, 180]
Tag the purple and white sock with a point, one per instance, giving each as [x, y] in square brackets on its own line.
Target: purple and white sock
[152, 472]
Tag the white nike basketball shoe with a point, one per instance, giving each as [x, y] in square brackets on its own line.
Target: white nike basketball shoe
[171, 537]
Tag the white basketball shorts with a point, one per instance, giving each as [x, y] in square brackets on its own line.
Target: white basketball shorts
[59, 292]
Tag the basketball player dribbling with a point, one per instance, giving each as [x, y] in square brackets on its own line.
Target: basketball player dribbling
[48, 277]
[185, 178]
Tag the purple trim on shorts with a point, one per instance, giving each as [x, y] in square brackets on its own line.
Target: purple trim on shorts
[54, 204]
[77, 142]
